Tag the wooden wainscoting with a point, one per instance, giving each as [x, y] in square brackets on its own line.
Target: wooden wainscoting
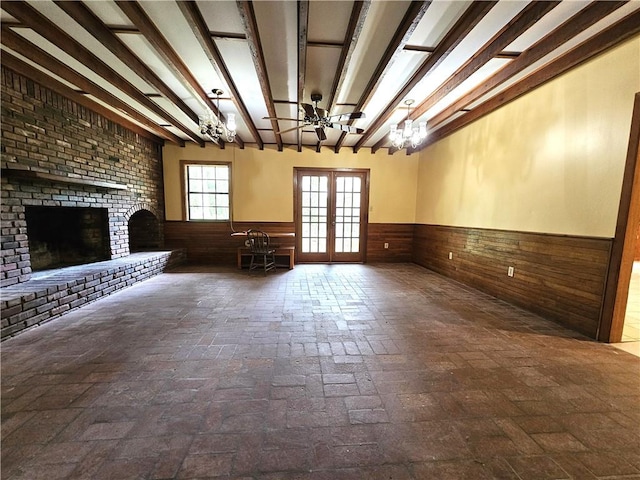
[399, 236]
[212, 243]
[560, 277]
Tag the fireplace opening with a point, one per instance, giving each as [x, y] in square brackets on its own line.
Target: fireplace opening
[66, 236]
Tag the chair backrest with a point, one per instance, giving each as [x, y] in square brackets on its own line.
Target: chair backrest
[258, 241]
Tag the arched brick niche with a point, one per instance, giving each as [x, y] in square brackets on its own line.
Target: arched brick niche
[145, 230]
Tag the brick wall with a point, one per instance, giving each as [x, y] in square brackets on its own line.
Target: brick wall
[58, 153]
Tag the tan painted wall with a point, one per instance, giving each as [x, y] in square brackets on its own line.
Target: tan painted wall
[263, 180]
[551, 161]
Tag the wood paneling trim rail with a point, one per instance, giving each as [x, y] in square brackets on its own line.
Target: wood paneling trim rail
[560, 277]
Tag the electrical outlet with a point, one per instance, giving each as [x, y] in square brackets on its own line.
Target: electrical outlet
[386, 245]
[510, 271]
[450, 255]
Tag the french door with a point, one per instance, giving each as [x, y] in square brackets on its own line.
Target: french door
[331, 212]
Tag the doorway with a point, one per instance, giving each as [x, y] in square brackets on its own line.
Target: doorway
[631, 328]
[331, 215]
[622, 254]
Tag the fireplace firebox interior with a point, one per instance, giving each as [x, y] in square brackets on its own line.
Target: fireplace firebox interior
[65, 236]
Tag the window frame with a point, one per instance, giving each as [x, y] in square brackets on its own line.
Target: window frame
[184, 165]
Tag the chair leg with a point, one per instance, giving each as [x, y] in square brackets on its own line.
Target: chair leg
[268, 262]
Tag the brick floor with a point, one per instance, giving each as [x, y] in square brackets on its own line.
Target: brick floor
[319, 373]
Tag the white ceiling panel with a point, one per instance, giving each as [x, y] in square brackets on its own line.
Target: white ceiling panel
[328, 21]
[142, 49]
[320, 72]
[221, 16]
[277, 24]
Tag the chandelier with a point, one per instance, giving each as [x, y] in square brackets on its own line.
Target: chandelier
[409, 135]
[212, 126]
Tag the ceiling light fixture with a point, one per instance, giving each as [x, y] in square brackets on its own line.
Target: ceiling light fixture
[409, 135]
[212, 126]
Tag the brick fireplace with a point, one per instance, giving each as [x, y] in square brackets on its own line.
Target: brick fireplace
[57, 154]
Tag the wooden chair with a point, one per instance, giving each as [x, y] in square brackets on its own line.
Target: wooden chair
[263, 255]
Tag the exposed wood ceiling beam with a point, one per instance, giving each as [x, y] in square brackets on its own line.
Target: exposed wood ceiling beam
[527, 17]
[92, 24]
[18, 44]
[586, 17]
[248, 16]
[352, 35]
[303, 30]
[200, 29]
[419, 48]
[13, 63]
[508, 55]
[325, 44]
[139, 18]
[31, 18]
[617, 33]
[471, 17]
[391, 150]
[412, 17]
[226, 36]
[122, 29]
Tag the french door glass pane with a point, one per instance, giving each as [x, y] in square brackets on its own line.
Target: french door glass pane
[315, 198]
[347, 214]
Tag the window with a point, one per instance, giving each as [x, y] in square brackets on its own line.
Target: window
[207, 191]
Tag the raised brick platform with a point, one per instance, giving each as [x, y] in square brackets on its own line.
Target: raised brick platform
[52, 293]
